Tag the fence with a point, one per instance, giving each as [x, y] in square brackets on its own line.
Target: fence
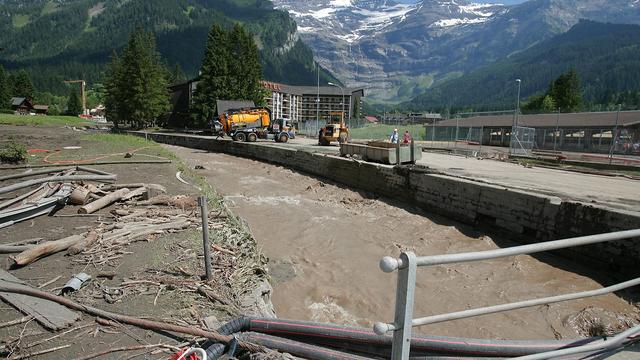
[455, 138]
[407, 266]
[522, 141]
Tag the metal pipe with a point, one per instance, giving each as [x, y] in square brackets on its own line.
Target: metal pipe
[34, 173]
[523, 304]
[605, 344]
[389, 264]
[21, 185]
[202, 201]
[614, 136]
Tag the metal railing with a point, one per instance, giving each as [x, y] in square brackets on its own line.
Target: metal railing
[408, 263]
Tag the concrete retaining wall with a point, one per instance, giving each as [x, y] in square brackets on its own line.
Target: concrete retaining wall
[532, 217]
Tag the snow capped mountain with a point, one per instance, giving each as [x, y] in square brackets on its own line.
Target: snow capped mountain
[347, 20]
[399, 48]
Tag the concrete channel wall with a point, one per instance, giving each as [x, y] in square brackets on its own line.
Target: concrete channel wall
[529, 216]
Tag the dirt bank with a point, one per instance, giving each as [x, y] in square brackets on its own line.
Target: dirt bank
[324, 243]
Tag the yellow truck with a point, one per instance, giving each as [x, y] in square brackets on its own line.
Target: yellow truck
[251, 124]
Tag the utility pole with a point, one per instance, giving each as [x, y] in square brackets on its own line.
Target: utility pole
[316, 128]
[342, 90]
[83, 94]
[614, 136]
[556, 134]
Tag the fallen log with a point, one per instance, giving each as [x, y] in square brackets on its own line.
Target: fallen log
[90, 239]
[141, 323]
[24, 184]
[134, 193]
[44, 249]
[103, 202]
[4, 249]
[157, 187]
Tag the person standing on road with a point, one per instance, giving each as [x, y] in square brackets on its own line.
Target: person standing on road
[406, 138]
[394, 136]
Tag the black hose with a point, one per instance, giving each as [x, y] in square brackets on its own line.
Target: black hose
[364, 342]
[213, 349]
[297, 348]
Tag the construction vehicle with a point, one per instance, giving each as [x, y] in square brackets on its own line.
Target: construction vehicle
[335, 130]
[251, 124]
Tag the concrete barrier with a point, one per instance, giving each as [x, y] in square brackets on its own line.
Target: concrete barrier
[531, 217]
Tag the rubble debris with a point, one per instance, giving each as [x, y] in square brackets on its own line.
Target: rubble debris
[91, 237]
[24, 184]
[48, 313]
[31, 172]
[75, 283]
[30, 293]
[180, 201]
[103, 202]
[41, 207]
[79, 196]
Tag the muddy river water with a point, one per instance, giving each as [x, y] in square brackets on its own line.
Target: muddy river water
[324, 243]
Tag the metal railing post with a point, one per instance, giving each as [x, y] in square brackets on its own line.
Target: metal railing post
[204, 213]
[398, 162]
[413, 155]
[404, 307]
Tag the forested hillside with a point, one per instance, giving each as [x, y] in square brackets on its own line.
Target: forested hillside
[606, 58]
[74, 39]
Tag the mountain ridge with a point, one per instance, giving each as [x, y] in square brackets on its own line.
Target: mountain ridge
[433, 42]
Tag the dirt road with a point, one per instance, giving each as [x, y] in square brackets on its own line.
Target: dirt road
[324, 243]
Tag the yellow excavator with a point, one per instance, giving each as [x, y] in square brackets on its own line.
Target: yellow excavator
[335, 130]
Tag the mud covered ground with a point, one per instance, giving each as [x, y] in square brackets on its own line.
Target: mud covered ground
[324, 242]
[152, 278]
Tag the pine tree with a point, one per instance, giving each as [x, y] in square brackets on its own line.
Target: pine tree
[137, 83]
[566, 92]
[112, 78]
[246, 70]
[215, 83]
[22, 86]
[177, 76]
[74, 106]
[5, 96]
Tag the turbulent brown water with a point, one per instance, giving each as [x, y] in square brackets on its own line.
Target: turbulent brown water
[324, 243]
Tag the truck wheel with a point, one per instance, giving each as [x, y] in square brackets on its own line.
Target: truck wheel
[252, 137]
[324, 142]
[283, 138]
[240, 137]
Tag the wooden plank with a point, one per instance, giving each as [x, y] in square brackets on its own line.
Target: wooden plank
[49, 314]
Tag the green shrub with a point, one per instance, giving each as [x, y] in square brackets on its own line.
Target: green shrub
[13, 152]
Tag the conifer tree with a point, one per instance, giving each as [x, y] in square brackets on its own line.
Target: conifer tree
[230, 70]
[215, 83]
[74, 106]
[137, 83]
[5, 95]
[565, 90]
[112, 95]
[22, 86]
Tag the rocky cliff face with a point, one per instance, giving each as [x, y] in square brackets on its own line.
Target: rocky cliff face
[401, 49]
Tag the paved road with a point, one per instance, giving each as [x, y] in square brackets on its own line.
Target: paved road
[615, 192]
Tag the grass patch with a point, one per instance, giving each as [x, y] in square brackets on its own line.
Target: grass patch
[48, 8]
[19, 21]
[383, 132]
[24, 120]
